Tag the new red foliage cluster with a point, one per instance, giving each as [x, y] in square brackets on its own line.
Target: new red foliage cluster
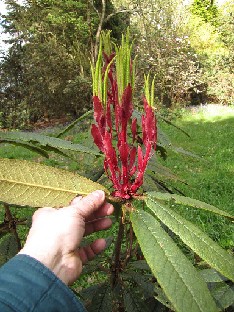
[125, 163]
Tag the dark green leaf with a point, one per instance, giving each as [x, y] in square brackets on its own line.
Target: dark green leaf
[187, 201]
[195, 238]
[224, 296]
[8, 248]
[133, 303]
[74, 123]
[180, 281]
[212, 276]
[45, 142]
[140, 265]
[172, 124]
[29, 146]
[102, 300]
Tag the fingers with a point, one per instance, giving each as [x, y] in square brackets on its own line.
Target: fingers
[105, 210]
[98, 225]
[87, 253]
[87, 206]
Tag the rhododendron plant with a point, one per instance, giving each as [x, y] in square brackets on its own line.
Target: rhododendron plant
[147, 268]
[125, 161]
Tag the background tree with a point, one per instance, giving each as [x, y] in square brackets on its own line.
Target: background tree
[55, 39]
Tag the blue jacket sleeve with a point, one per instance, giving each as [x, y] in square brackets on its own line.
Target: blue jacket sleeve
[26, 285]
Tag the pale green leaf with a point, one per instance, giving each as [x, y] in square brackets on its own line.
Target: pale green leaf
[187, 201]
[195, 238]
[32, 184]
[45, 142]
[180, 281]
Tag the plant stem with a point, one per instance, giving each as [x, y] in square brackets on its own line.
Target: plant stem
[12, 224]
[116, 265]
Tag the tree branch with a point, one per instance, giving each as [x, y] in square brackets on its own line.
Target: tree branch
[117, 12]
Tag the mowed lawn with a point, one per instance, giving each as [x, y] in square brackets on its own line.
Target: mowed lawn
[211, 178]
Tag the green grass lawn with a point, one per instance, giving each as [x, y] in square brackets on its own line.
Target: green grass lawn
[209, 178]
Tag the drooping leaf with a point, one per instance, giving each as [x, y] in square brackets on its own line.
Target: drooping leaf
[164, 141]
[29, 146]
[224, 296]
[74, 123]
[8, 248]
[32, 184]
[154, 167]
[187, 201]
[180, 281]
[195, 238]
[172, 124]
[102, 300]
[44, 141]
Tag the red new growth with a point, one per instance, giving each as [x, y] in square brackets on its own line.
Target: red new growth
[125, 163]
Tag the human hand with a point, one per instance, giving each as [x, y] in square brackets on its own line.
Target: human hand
[56, 234]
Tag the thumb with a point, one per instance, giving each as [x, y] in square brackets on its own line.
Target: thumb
[90, 203]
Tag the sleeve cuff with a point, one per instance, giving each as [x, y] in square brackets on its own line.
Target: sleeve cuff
[27, 285]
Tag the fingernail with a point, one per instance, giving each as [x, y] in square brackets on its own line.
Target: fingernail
[99, 194]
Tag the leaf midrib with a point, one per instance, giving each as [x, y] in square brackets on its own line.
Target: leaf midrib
[178, 273]
[193, 233]
[41, 186]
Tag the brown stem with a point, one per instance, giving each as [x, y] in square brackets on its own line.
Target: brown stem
[129, 249]
[12, 224]
[116, 265]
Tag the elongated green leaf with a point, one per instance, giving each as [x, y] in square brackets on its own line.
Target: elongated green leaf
[74, 123]
[187, 201]
[44, 141]
[154, 167]
[172, 124]
[29, 146]
[31, 184]
[180, 281]
[195, 238]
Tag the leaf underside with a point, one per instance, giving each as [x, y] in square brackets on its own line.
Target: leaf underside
[195, 238]
[32, 184]
[180, 281]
